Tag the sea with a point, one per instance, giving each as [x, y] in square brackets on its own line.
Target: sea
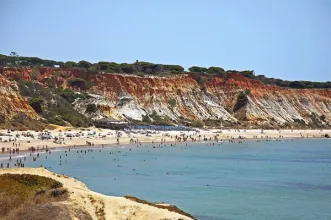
[288, 179]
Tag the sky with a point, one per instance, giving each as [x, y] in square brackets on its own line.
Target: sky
[288, 39]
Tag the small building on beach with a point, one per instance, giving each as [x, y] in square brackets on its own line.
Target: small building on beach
[111, 123]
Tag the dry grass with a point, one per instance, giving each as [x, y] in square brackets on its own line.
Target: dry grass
[171, 208]
[82, 214]
[24, 196]
[45, 211]
[100, 212]
[8, 203]
[99, 208]
[25, 185]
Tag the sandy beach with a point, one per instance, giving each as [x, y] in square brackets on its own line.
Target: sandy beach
[70, 137]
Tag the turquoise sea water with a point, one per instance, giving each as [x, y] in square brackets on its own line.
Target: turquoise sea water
[264, 180]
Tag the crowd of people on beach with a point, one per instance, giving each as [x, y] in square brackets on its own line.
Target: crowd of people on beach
[166, 141]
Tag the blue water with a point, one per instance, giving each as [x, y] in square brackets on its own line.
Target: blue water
[264, 180]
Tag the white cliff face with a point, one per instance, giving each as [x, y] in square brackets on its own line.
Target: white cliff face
[129, 108]
[286, 108]
[272, 107]
[81, 105]
[126, 107]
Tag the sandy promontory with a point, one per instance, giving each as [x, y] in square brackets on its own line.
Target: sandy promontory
[97, 205]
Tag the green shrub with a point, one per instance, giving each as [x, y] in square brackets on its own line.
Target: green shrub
[58, 192]
[198, 124]
[297, 85]
[93, 68]
[56, 120]
[172, 103]
[175, 68]
[221, 74]
[84, 64]
[70, 64]
[36, 103]
[77, 82]
[242, 100]
[300, 121]
[70, 95]
[146, 119]
[51, 82]
[248, 73]
[59, 109]
[160, 120]
[80, 83]
[213, 69]
[199, 78]
[89, 84]
[91, 108]
[197, 69]
[247, 92]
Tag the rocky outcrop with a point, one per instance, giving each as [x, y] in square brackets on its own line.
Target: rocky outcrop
[234, 99]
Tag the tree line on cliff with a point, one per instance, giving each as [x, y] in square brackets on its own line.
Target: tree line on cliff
[142, 68]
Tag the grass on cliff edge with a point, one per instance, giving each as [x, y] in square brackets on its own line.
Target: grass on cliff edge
[21, 193]
[26, 185]
[171, 208]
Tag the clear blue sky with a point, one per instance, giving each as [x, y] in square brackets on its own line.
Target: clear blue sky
[289, 39]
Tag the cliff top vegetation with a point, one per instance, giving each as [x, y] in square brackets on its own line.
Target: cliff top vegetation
[141, 68]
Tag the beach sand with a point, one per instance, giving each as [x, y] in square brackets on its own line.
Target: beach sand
[83, 198]
[108, 137]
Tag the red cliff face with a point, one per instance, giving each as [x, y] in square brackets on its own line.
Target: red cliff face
[11, 102]
[233, 98]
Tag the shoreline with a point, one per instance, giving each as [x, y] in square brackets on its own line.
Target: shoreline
[25, 152]
[102, 139]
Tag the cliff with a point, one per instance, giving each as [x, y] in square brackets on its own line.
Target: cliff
[233, 99]
[13, 107]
